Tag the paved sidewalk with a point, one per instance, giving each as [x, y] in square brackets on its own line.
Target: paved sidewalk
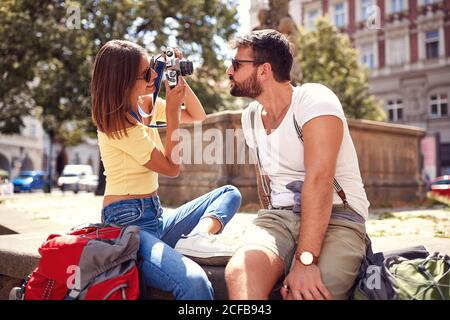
[44, 214]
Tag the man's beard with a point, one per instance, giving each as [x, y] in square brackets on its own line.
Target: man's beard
[249, 88]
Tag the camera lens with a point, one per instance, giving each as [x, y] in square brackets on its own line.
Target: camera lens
[186, 67]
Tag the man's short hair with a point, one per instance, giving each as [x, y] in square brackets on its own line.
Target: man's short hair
[269, 46]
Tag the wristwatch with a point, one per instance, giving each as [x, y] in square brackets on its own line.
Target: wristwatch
[306, 258]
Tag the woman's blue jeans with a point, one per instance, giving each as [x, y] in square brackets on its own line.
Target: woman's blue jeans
[163, 267]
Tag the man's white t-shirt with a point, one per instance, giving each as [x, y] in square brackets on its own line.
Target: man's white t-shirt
[281, 152]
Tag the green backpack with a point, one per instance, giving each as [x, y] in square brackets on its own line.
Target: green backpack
[421, 279]
[407, 274]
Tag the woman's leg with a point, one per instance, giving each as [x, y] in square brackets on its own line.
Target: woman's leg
[216, 207]
[166, 269]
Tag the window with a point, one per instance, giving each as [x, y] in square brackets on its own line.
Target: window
[339, 15]
[312, 16]
[426, 2]
[432, 44]
[396, 6]
[397, 51]
[368, 56]
[394, 109]
[439, 105]
[366, 9]
[444, 151]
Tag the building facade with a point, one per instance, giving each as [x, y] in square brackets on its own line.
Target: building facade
[30, 150]
[406, 45]
[24, 151]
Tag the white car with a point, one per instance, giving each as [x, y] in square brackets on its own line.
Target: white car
[78, 177]
[6, 188]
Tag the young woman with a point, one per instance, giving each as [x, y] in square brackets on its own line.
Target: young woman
[133, 155]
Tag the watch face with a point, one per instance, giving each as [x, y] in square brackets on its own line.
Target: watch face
[306, 258]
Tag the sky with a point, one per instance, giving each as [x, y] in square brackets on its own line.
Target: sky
[244, 16]
[244, 27]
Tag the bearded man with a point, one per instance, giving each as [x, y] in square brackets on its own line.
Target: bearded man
[310, 235]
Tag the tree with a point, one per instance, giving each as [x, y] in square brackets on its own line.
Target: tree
[201, 28]
[45, 63]
[48, 46]
[326, 56]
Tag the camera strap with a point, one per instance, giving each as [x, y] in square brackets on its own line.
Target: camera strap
[156, 125]
[265, 180]
[264, 177]
[159, 69]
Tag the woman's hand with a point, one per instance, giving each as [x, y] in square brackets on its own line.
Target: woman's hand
[194, 110]
[178, 53]
[175, 96]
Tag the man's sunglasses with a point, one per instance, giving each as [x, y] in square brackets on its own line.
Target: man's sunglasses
[236, 63]
[147, 75]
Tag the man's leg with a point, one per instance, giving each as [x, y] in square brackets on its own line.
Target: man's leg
[263, 255]
[342, 252]
[252, 273]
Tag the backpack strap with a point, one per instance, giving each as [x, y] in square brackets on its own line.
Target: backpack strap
[264, 177]
[336, 184]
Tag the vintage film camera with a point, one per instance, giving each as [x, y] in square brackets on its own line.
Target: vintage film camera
[175, 67]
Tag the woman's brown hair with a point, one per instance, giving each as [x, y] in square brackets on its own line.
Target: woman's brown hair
[116, 68]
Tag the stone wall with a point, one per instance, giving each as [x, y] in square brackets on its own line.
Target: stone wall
[388, 154]
[390, 161]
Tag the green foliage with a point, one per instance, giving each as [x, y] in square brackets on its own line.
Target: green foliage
[45, 62]
[201, 29]
[326, 56]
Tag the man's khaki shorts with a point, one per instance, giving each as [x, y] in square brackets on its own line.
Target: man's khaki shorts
[343, 248]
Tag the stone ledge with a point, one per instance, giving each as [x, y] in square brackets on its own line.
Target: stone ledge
[19, 253]
[19, 256]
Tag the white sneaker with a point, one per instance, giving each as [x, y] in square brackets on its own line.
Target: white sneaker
[207, 249]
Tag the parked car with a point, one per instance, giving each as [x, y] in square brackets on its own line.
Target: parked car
[78, 177]
[27, 181]
[441, 186]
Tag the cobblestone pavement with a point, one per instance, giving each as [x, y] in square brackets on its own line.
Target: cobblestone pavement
[70, 210]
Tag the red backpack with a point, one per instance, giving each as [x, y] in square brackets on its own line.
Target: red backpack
[93, 263]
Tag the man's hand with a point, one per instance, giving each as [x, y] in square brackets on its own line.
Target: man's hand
[304, 283]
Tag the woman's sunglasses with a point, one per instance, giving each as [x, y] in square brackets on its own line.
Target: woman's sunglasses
[147, 75]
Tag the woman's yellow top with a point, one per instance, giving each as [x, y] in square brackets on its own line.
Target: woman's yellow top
[124, 158]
